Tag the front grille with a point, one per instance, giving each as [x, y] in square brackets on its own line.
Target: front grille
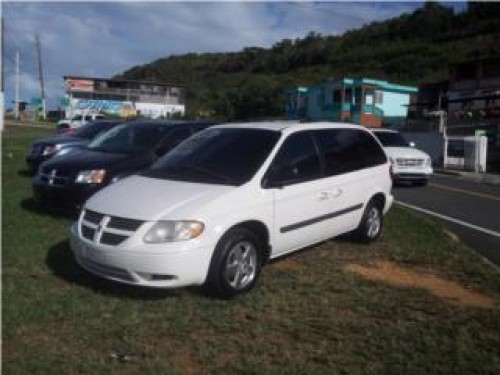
[112, 238]
[88, 232]
[53, 180]
[53, 176]
[93, 217]
[124, 224]
[107, 230]
[60, 172]
[410, 162]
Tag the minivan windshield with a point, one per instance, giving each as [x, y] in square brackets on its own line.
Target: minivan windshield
[228, 156]
[391, 139]
[129, 138]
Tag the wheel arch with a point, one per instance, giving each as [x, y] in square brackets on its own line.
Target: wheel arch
[261, 230]
[379, 199]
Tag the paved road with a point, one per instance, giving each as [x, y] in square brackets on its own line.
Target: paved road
[469, 209]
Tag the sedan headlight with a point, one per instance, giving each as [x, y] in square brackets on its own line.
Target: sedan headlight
[172, 231]
[51, 149]
[94, 176]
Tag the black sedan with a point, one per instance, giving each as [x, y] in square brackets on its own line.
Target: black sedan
[67, 181]
[43, 149]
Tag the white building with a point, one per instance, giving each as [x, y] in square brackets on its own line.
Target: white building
[122, 98]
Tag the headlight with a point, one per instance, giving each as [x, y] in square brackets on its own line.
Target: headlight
[51, 149]
[172, 231]
[94, 176]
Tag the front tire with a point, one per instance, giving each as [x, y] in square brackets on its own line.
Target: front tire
[235, 265]
[371, 224]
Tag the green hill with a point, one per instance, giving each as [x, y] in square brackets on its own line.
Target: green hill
[410, 49]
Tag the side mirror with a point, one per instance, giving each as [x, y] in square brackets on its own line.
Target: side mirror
[412, 144]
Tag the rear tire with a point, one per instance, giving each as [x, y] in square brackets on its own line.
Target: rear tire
[371, 224]
[235, 265]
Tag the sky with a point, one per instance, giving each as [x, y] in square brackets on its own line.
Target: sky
[103, 39]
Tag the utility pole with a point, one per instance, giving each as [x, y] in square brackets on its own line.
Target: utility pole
[3, 54]
[40, 74]
[2, 31]
[16, 108]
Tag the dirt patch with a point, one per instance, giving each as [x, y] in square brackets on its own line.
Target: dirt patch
[187, 364]
[287, 265]
[450, 291]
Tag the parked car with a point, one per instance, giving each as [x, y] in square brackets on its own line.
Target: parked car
[216, 208]
[408, 163]
[77, 121]
[66, 181]
[44, 148]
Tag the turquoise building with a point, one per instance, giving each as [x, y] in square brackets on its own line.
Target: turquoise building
[362, 101]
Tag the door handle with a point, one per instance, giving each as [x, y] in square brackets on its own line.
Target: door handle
[323, 195]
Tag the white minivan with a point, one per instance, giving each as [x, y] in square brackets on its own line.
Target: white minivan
[215, 209]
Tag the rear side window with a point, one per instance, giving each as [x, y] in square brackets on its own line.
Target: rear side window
[348, 150]
[296, 161]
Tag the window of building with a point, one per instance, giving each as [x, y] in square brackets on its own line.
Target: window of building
[379, 97]
[348, 95]
[337, 96]
[357, 96]
[321, 97]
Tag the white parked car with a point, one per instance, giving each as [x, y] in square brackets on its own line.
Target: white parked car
[77, 121]
[225, 201]
[408, 163]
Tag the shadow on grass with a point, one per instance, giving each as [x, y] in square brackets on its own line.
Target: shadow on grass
[31, 205]
[61, 261]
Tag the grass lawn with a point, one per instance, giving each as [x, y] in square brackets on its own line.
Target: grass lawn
[417, 301]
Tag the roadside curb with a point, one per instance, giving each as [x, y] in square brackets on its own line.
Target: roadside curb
[447, 172]
[485, 178]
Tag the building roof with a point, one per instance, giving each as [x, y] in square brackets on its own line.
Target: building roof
[385, 85]
[124, 81]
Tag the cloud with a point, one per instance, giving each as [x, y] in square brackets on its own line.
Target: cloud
[103, 39]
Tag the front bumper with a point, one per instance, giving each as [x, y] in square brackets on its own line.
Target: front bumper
[68, 196]
[412, 174]
[169, 265]
[33, 162]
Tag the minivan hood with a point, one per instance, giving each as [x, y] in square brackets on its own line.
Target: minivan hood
[405, 152]
[146, 198]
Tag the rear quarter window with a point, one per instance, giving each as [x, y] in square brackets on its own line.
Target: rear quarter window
[348, 150]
